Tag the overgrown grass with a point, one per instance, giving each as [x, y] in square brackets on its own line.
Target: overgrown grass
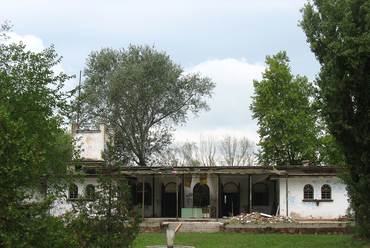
[225, 240]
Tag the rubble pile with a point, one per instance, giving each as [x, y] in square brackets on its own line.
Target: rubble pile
[256, 218]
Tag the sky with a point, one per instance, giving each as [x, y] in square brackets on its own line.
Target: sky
[225, 40]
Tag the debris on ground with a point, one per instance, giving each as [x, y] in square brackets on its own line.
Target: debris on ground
[257, 218]
[343, 218]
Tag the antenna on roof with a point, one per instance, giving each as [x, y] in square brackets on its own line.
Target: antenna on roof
[78, 103]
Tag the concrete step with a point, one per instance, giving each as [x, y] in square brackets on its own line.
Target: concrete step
[196, 226]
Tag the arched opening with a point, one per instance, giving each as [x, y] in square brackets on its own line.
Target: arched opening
[308, 192]
[200, 195]
[73, 191]
[326, 192]
[169, 200]
[230, 200]
[260, 195]
[147, 194]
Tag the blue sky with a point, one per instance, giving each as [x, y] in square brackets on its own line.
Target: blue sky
[225, 40]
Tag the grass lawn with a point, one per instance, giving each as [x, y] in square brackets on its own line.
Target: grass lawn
[225, 240]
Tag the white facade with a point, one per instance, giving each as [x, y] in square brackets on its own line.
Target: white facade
[316, 209]
[232, 190]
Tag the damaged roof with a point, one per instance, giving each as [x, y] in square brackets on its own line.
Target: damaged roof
[278, 171]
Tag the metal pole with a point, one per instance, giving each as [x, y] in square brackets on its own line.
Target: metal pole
[79, 94]
[143, 199]
[286, 193]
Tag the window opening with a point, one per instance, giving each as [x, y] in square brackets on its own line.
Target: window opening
[308, 192]
[73, 191]
[200, 195]
[147, 194]
[260, 195]
[325, 192]
[90, 191]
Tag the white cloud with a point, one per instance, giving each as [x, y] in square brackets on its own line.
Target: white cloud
[33, 43]
[230, 112]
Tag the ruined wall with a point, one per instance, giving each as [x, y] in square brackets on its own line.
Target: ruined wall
[157, 200]
[92, 141]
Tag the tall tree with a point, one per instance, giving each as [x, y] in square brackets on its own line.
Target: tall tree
[230, 151]
[142, 94]
[208, 152]
[34, 150]
[339, 35]
[236, 152]
[182, 154]
[281, 104]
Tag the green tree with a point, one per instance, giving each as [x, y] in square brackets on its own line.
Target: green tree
[142, 95]
[105, 216]
[281, 104]
[339, 36]
[34, 150]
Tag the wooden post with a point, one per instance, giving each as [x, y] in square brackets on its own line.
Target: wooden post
[218, 186]
[153, 196]
[250, 193]
[143, 199]
[182, 191]
[286, 193]
[177, 200]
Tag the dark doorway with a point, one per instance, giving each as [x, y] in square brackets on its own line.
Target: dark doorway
[169, 200]
[230, 200]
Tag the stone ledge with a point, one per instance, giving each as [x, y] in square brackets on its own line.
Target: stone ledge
[334, 228]
[328, 231]
[288, 225]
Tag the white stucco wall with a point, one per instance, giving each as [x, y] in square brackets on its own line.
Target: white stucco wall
[92, 142]
[298, 209]
[62, 206]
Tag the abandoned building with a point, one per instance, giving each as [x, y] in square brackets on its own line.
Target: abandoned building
[301, 192]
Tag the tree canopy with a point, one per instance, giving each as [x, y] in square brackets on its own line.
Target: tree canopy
[142, 95]
[339, 36]
[34, 149]
[282, 105]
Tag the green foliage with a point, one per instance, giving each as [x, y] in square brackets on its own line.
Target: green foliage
[286, 119]
[34, 150]
[339, 35]
[105, 218]
[142, 94]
